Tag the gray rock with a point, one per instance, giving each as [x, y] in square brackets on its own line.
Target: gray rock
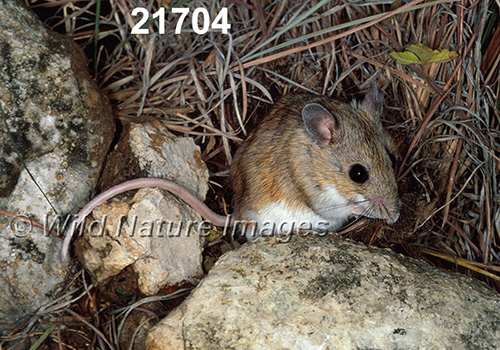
[62, 126]
[329, 293]
[161, 254]
[160, 154]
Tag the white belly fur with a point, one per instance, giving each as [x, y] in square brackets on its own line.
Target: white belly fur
[276, 219]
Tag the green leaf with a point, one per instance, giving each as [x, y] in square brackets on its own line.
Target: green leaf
[421, 54]
[406, 57]
[443, 56]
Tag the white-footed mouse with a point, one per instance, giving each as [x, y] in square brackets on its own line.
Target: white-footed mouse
[312, 163]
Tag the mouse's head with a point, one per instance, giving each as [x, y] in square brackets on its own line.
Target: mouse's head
[351, 156]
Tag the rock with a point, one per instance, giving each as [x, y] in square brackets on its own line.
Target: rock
[161, 255]
[329, 293]
[62, 126]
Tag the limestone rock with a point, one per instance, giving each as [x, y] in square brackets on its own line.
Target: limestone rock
[154, 238]
[62, 126]
[329, 293]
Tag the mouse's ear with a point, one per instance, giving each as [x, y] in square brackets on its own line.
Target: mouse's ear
[373, 101]
[321, 124]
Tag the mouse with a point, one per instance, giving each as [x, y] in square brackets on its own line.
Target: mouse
[312, 163]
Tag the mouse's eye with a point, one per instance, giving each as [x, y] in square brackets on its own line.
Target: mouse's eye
[358, 174]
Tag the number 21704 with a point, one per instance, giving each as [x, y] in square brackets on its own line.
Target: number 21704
[220, 22]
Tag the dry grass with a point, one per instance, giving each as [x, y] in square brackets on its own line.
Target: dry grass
[214, 87]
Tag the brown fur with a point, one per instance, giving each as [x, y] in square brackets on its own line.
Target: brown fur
[280, 160]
